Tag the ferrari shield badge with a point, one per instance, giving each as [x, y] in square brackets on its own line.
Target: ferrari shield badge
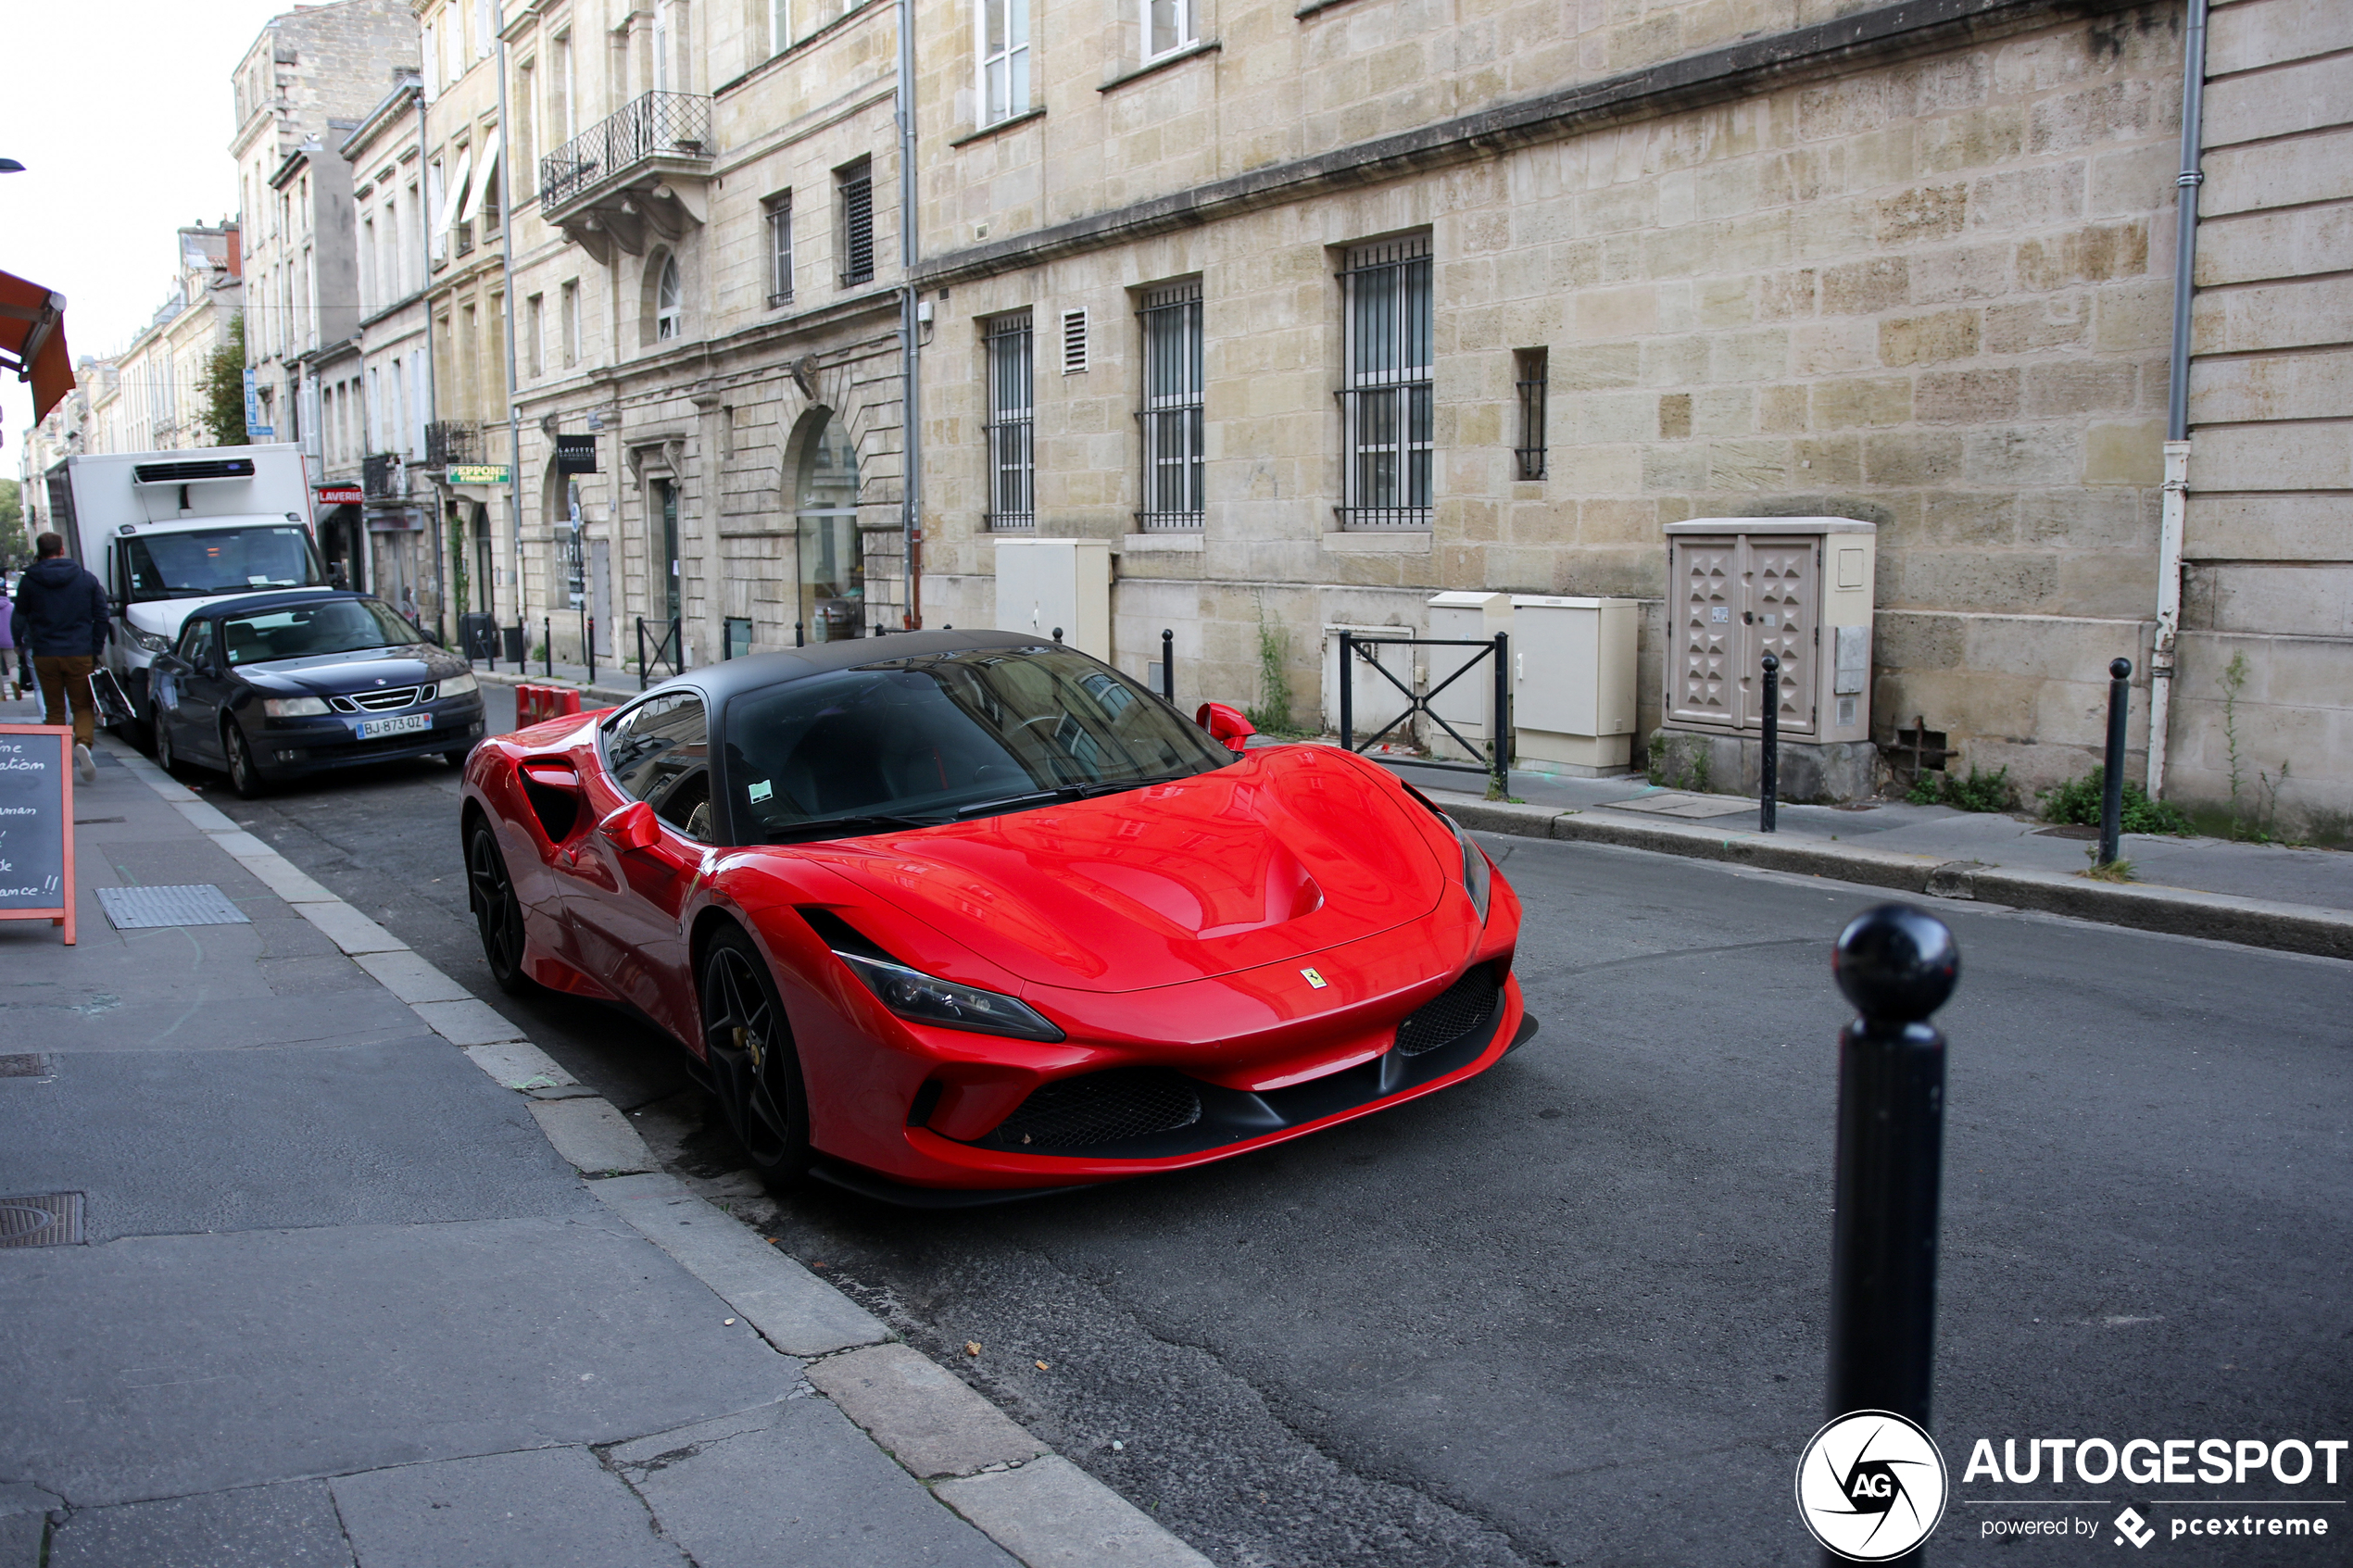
[1314, 979]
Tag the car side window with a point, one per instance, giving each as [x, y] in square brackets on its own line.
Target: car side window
[660, 753]
[195, 643]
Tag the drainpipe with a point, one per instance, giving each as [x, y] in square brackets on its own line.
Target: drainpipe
[433, 406]
[507, 263]
[2177, 402]
[911, 484]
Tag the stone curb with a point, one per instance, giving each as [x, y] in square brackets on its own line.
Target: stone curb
[1037, 1505]
[2221, 916]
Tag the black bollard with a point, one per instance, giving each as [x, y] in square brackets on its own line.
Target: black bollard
[1499, 782]
[799, 637]
[547, 642]
[1768, 801]
[2119, 704]
[1167, 664]
[1897, 965]
[1057, 635]
[1347, 691]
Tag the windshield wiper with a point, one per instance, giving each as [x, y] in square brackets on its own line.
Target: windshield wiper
[848, 827]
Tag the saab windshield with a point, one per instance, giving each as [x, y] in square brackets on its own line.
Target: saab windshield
[943, 736]
[305, 631]
[219, 560]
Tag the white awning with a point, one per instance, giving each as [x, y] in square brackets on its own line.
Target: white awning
[481, 182]
[455, 197]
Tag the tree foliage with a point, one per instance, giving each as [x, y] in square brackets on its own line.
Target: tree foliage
[224, 388]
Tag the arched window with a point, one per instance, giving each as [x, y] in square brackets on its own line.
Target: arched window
[833, 563]
[670, 311]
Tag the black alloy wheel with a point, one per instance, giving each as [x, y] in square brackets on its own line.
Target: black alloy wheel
[497, 911]
[748, 1048]
[244, 773]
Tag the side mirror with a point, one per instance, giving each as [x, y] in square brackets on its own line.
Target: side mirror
[632, 827]
[1225, 725]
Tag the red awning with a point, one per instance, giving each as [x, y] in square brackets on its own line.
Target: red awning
[32, 340]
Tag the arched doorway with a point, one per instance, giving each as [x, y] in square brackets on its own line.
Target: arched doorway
[833, 565]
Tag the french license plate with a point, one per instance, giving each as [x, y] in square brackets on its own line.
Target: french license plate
[407, 724]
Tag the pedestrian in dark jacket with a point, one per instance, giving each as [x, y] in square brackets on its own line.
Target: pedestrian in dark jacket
[64, 614]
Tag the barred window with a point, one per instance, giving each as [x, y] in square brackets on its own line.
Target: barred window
[1385, 395]
[1172, 411]
[780, 213]
[857, 222]
[1530, 366]
[1012, 392]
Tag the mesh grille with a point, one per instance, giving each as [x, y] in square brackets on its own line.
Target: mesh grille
[1452, 1014]
[1097, 1108]
[391, 697]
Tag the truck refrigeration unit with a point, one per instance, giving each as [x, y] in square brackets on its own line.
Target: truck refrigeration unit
[167, 531]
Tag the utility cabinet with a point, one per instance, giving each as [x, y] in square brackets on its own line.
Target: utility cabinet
[1573, 681]
[1375, 700]
[1797, 587]
[1471, 616]
[1042, 584]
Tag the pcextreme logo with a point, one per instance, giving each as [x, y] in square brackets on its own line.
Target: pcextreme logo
[1871, 1485]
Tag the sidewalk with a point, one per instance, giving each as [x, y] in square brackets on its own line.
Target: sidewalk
[2299, 900]
[338, 1270]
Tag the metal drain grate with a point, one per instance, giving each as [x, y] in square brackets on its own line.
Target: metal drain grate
[48, 1219]
[24, 1066]
[132, 908]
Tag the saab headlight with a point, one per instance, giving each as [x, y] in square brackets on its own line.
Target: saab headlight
[146, 641]
[294, 706]
[926, 999]
[460, 685]
[1478, 875]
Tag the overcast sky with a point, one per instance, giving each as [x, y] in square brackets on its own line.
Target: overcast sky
[121, 114]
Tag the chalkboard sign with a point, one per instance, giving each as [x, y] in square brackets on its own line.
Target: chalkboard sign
[36, 824]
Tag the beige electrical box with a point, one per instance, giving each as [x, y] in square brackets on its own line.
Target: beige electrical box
[1573, 681]
[1796, 587]
[1462, 680]
[1042, 584]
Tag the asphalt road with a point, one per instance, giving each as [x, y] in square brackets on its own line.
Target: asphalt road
[1573, 1312]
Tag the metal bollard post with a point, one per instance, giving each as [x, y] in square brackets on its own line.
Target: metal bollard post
[547, 642]
[1769, 768]
[1347, 691]
[1057, 635]
[642, 682]
[1168, 664]
[1897, 965]
[2119, 704]
[1500, 743]
[799, 638]
[588, 642]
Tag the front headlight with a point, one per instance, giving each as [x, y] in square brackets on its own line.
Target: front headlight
[926, 999]
[146, 641]
[294, 707]
[1478, 875]
[460, 685]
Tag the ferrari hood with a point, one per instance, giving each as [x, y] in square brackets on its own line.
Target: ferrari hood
[1286, 852]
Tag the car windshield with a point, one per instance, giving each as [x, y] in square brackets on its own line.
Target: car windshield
[936, 737]
[302, 630]
[219, 560]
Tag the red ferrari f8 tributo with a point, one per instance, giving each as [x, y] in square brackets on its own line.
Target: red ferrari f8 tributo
[959, 915]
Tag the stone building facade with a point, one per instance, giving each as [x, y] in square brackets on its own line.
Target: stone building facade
[708, 274]
[1910, 265]
[307, 80]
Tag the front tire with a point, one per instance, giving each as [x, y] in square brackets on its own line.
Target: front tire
[498, 912]
[167, 755]
[748, 1048]
[244, 773]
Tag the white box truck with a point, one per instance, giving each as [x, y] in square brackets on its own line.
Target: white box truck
[167, 531]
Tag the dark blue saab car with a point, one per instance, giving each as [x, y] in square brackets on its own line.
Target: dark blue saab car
[272, 686]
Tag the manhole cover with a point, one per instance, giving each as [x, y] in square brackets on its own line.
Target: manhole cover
[49, 1218]
[23, 1066]
[132, 908]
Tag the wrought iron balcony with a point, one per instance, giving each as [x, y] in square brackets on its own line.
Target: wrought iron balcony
[380, 477]
[641, 169]
[452, 441]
